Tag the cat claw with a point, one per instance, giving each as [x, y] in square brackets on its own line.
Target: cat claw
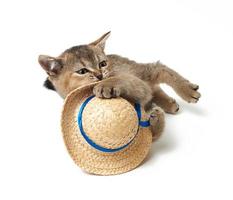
[107, 92]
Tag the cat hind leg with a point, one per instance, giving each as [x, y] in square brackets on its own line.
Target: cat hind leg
[167, 103]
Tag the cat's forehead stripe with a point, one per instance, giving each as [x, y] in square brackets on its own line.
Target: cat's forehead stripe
[78, 53]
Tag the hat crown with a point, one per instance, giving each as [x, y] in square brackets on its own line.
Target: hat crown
[110, 123]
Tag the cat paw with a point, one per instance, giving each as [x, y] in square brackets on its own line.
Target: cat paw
[156, 112]
[157, 122]
[104, 91]
[172, 107]
[189, 92]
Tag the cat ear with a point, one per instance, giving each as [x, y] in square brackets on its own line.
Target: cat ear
[50, 64]
[101, 41]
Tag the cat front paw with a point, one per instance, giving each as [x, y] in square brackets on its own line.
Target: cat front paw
[189, 92]
[106, 91]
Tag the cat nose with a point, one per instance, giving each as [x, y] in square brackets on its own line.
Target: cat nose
[100, 76]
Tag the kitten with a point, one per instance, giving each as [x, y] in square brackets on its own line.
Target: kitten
[137, 82]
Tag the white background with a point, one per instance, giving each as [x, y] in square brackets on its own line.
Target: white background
[193, 159]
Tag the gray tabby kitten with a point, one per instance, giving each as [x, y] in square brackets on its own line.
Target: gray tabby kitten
[137, 82]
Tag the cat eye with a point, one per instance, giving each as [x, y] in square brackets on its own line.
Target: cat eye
[102, 64]
[82, 71]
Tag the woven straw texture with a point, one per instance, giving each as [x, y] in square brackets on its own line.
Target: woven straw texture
[111, 123]
[114, 134]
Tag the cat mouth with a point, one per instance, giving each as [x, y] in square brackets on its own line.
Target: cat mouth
[105, 75]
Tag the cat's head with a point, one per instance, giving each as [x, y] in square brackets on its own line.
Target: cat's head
[77, 66]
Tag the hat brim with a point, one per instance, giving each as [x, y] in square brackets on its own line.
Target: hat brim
[90, 159]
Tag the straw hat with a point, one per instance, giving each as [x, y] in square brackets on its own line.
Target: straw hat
[104, 136]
